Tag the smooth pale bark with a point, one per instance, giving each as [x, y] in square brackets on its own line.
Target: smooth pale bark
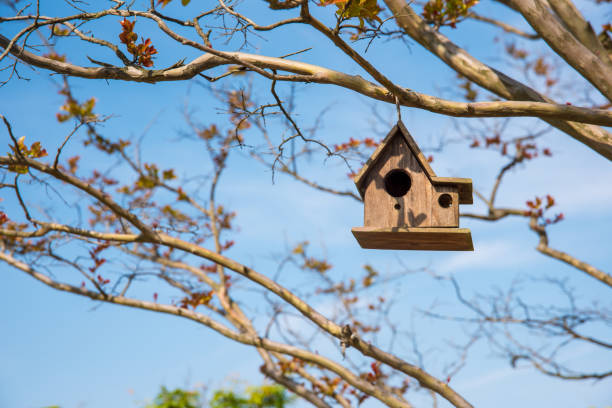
[489, 78]
[589, 65]
[316, 74]
[581, 29]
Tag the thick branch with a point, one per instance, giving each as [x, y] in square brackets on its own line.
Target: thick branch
[312, 73]
[596, 70]
[579, 27]
[458, 59]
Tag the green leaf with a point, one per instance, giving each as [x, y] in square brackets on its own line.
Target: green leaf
[264, 396]
[176, 398]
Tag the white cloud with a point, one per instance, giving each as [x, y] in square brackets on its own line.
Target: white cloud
[485, 255]
[489, 378]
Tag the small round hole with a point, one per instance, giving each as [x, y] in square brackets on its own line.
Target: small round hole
[445, 200]
[397, 183]
[397, 206]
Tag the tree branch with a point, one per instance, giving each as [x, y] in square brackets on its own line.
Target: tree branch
[506, 27]
[581, 29]
[311, 73]
[243, 338]
[332, 328]
[458, 59]
[564, 257]
[597, 70]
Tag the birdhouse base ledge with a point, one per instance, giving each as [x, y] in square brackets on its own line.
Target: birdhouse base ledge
[423, 239]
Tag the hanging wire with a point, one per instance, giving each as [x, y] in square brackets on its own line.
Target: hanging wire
[397, 106]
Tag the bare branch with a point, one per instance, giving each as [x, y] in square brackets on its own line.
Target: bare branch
[564, 257]
[504, 26]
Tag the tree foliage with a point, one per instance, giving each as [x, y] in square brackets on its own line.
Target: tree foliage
[121, 217]
[176, 398]
[265, 396]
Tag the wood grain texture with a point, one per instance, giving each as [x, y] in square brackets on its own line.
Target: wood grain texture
[399, 130]
[445, 217]
[415, 220]
[360, 178]
[415, 206]
[425, 239]
[464, 185]
[415, 150]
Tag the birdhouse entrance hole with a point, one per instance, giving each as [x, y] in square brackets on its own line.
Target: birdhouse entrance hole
[445, 200]
[397, 183]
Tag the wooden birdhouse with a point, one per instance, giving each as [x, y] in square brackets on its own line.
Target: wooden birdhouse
[406, 206]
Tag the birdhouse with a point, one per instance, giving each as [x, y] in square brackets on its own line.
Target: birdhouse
[406, 206]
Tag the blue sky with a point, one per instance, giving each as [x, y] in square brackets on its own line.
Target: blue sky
[57, 348]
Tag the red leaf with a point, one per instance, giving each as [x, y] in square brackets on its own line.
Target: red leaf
[492, 140]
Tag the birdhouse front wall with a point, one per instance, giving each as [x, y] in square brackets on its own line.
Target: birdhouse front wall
[420, 206]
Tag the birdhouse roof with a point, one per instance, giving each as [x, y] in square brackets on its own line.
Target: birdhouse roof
[399, 130]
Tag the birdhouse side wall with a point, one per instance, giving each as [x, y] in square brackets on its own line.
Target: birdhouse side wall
[445, 216]
[415, 207]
